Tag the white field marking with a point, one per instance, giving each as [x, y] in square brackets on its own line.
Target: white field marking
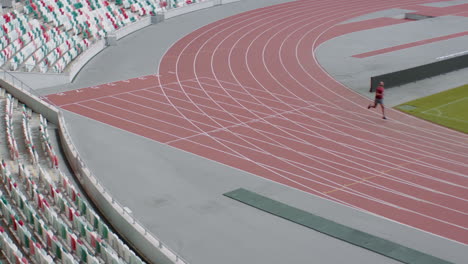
[446, 104]
[256, 23]
[353, 206]
[419, 137]
[183, 108]
[370, 171]
[453, 54]
[126, 120]
[371, 198]
[162, 110]
[148, 127]
[449, 118]
[242, 123]
[403, 143]
[239, 106]
[94, 87]
[239, 99]
[332, 183]
[205, 106]
[444, 135]
[409, 152]
[278, 109]
[126, 81]
[388, 166]
[417, 162]
[240, 92]
[249, 88]
[79, 91]
[436, 111]
[391, 165]
[60, 94]
[149, 117]
[141, 78]
[97, 87]
[177, 65]
[413, 171]
[373, 143]
[460, 138]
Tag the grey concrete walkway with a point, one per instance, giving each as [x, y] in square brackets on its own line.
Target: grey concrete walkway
[178, 196]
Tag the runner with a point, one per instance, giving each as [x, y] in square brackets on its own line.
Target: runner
[379, 95]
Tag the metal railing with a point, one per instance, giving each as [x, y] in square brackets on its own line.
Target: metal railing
[122, 209]
[14, 81]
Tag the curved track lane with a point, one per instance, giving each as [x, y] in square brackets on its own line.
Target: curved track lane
[250, 93]
[247, 91]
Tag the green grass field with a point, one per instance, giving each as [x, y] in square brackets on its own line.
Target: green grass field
[448, 108]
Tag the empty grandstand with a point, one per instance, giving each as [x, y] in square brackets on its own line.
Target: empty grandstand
[46, 36]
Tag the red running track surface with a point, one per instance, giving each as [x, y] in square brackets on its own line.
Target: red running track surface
[247, 91]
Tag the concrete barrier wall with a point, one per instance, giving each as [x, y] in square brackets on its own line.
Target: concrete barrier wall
[228, 1]
[146, 244]
[421, 72]
[142, 23]
[42, 80]
[84, 57]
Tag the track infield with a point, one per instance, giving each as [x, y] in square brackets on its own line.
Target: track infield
[448, 108]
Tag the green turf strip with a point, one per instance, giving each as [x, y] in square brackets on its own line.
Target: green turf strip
[448, 108]
[347, 234]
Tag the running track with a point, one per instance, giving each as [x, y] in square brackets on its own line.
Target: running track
[247, 91]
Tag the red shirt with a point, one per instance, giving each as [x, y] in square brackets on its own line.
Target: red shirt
[379, 92]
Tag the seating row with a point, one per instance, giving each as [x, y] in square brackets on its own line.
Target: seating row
[49, 231]
[33, 233]
[50, 40]
[10, 250]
